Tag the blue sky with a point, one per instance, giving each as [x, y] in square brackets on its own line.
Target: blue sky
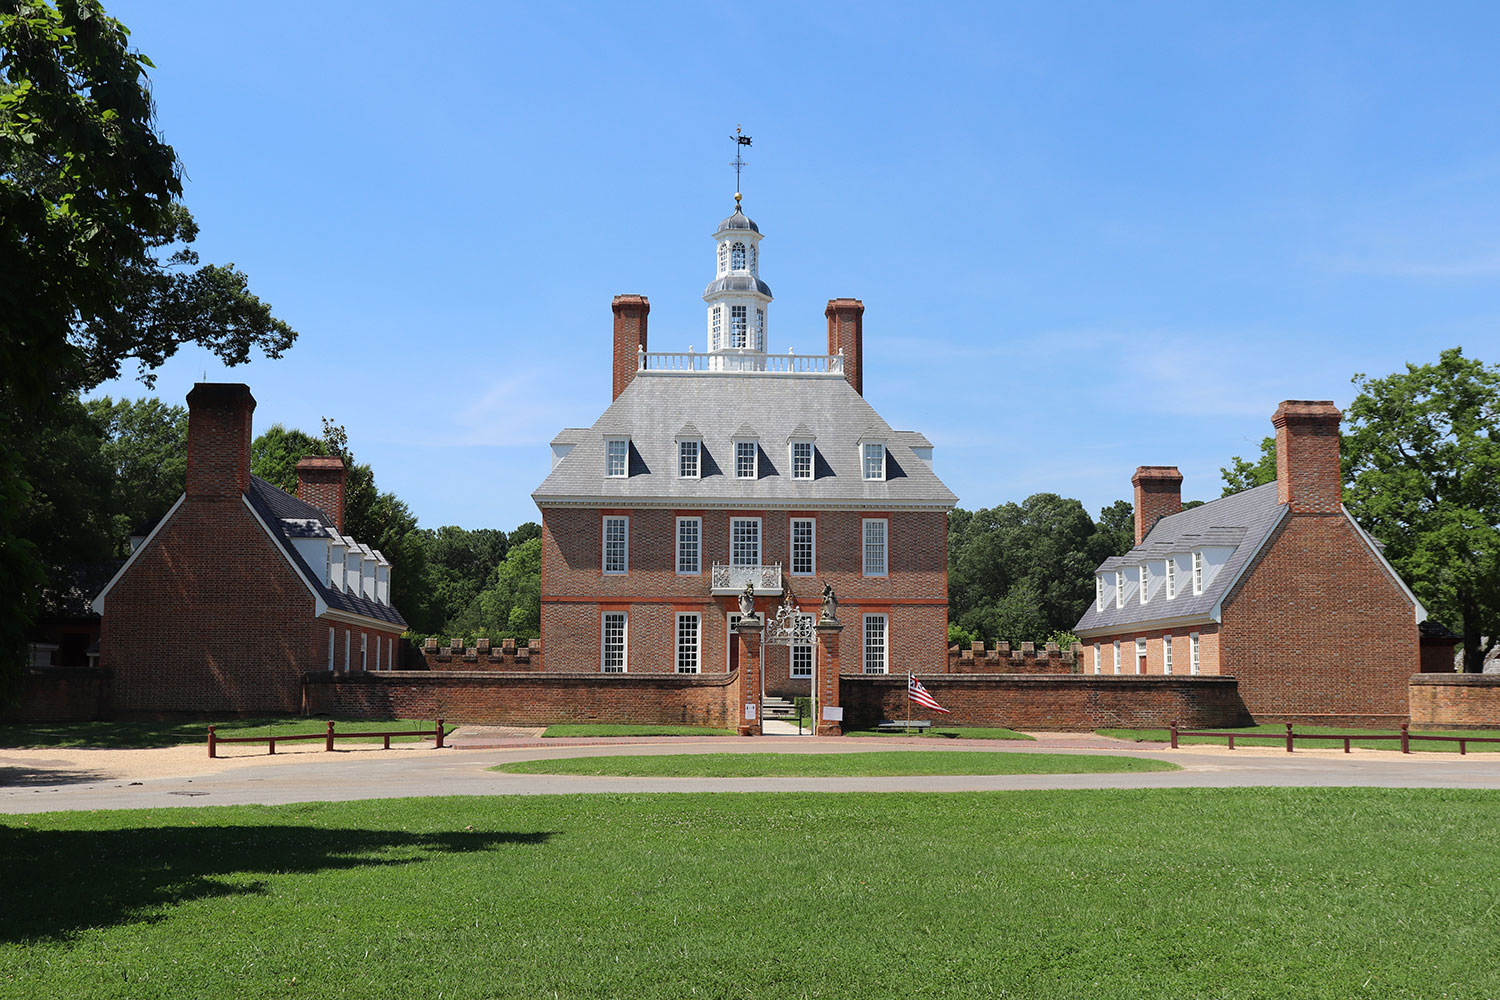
[1088, 236]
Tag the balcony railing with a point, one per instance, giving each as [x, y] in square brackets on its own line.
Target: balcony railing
[727, 579]
[751, 363]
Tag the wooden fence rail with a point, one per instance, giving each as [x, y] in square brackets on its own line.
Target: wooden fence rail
[1405, 736]
[327, 737]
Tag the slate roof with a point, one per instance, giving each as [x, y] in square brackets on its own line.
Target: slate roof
[739, 220]
[273, 505]
[1244, 520]
[653, 407]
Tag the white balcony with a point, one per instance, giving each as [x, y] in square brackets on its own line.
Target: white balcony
[727, 579]
[748, 363]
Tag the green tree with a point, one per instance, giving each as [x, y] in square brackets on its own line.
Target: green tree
[144, 444]
[1422, 467]
[1241, 475]
[275, 453]
[510, 607]
[96, 262]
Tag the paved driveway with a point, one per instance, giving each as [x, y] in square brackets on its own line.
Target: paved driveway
[370, 773]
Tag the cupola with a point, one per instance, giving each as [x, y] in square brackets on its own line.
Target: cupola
[737, 299]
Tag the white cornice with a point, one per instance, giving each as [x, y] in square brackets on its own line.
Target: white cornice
[739, 503]
[1145, 624]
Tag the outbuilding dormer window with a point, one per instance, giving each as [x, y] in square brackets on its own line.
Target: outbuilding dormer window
[872, 460]
[1099, 594]
[1119, 589]
[1145, 579]
[617, 457]
[1197, 572]
[1171, 577]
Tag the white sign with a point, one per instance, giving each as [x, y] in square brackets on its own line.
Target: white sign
[750, 710]
[833, 713]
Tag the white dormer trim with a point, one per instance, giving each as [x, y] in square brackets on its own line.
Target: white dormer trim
[1119, 588]
[610, 441]
[865, 445]
[98, 603]
[697, 442]
[754, 443]
[320, 606]
[792, 445]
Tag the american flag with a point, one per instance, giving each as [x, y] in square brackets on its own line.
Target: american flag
[917, 693]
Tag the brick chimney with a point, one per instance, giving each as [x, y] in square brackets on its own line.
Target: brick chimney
[320, 481]
[630, 337]
[218, 445]
[846, 332]
[1308, 475]
[1158, 492]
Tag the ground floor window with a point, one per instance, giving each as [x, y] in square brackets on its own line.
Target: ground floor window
[1166, 654]
[612, 642]
[1193, 653]
[1117, 656]
[689, 633]
[330, 649]
[875, 645]
[364, 651]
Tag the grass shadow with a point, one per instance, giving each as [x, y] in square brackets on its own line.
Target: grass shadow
[36, 774]
[60, 882]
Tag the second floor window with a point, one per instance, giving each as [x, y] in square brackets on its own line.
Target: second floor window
[745, 453]
[744, 541]
[616, 544]
[802, 460]
[616, 457]
[804, 542]
[689, 535]
[875, 547]
[687, 459]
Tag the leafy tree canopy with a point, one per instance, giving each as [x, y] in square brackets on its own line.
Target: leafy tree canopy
[275, 453]
[144, 445]
[1242, 475]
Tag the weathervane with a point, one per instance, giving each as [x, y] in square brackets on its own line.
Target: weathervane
[741, 140]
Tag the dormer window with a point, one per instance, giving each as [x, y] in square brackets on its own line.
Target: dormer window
[737, 257]
[689, 456]
[1099, 603]
[1197, 572]
[1119, 594]
[872, 459]
[617, 457]
[1144, 579]
[746, 455]
[1171, 577]
[802, 459]
[738, 326]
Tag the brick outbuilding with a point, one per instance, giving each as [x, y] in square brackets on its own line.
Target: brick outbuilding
[242, 587]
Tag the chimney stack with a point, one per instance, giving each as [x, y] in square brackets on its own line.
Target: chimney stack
[846, 332]
[218, 445]
[320, 481]
[1308, 476]
[1158, 492]
[630, 337]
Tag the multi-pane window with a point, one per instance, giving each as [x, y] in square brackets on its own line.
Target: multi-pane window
[874, 546]
[804, 546]
[802, 459]
[737, 257]
[875, 644]
[612, 642]
[745, 455]
[802, 655]
[1099, 590]
[760, 329]
[688, 459]
[689, 634]
[723, 257]
[1171, 577]
[1098, 659]
[689, 545]
[716, 333]
[616, 457]
[1197, 572]
[1117, 656]
[1140, 656]
[754, 261]
[330, 650]
[737, 326]
[744, 541]
[874, 460]
[1145, 580]
[1193, 653]
[1119, 588]
[616, 544]
[1166, 654]
[364, 651]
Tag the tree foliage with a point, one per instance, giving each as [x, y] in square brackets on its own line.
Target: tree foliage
[1422, 466]
[274, 455]
[144, 445]
[1242, 475]
[510, 605]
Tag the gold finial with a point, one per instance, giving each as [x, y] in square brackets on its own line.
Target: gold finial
[736, 199]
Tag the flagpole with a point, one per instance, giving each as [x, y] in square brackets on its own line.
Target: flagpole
[908, 704]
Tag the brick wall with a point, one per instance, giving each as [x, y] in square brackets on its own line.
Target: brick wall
[483, 655]
[1456, 700]
[62, 694]
[1002, 659]
[631, 312]
[1182, 651]
[527, 699]
[1048, 702]
[1317, 630]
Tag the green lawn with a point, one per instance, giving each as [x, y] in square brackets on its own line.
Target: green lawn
[607, 731]
[1276, 737]
[951, 733]
[1191, 893]
[138, 735]
[872, 763]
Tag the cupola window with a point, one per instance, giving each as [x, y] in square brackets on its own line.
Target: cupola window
[760, 329]
[737, 324]
[723, 257]
[737, 257]
[754, 263]
[716, 332]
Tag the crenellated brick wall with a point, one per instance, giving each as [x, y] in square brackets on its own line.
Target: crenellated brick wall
[1005, 660]
[509, 655]
[525, 699]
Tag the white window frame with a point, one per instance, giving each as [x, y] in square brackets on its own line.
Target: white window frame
[610, 457]
[804, 649]
[1197, 572]
[697, 567]
[1099, 590]
[1098, 659]
[1195, 663]
[812, 458]
[754, 447]
[812, 545]
[885, 644]
[694, 652]
[364, 651]
[1166, 655]
[1142, 652]
[739, 326]
[885, 545]
[604, 617]
[760, 329]
[684, 446]
[1144, 577]
[724, 257]
[716, 327]
[604, 546]
[390, 654]
[330, 648]
[1117, 656]
[865, 458]
[1119, 588]
[739, 257]
[760, 537]
[1171, 577]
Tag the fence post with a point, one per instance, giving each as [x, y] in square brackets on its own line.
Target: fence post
[328, 740]
[1288, 737]
[213, 750]
[440, 734]
[1174, 734]
[1405, 739]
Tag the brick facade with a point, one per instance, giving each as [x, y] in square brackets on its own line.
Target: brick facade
[630, 312]
[1455, 700]
[1155, 661]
